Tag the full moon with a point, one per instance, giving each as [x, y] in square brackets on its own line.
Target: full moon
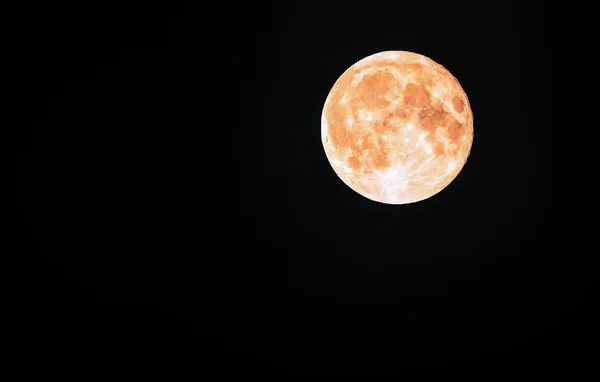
[397, 127]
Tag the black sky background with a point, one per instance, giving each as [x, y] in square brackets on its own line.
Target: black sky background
[175, 202]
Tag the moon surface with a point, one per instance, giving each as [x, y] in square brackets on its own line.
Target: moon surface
[397, 127]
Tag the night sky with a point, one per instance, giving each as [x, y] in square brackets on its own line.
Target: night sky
[175, 202]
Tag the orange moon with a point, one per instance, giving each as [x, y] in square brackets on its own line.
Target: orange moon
[397, 127]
